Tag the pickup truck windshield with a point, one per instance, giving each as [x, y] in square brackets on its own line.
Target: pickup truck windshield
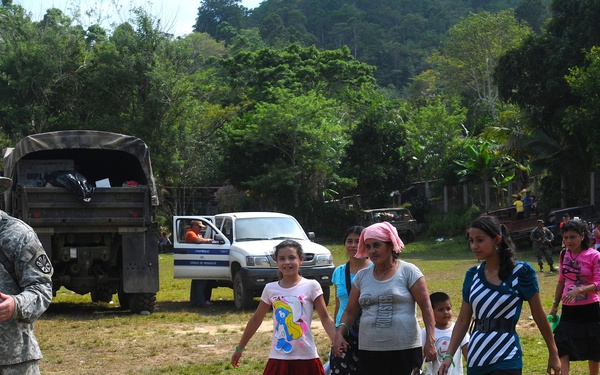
[268, 228]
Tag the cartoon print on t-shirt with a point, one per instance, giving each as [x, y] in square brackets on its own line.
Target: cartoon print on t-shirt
[289, 324]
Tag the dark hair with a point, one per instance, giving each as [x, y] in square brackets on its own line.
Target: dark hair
[579, 227]
[506, 249]
[288, 243]
[356, 229]
[438, 297]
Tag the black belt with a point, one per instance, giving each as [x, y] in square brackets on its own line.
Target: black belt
[500, 325]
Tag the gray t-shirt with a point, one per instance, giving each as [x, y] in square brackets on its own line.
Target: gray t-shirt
[389, 318]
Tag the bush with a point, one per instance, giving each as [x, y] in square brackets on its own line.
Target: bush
[419, 208]
[453, 224]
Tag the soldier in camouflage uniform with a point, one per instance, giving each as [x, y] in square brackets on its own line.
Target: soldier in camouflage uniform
[25, 293]
[542, 237]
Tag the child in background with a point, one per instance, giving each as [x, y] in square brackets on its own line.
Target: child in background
[442, 312]
[293, 349]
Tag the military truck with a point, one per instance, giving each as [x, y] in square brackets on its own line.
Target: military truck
[399, 217]
[108, 245]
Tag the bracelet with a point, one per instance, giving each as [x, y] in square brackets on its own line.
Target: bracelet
[555, 303]
[238, 349]
[448, 355]
[345, 325]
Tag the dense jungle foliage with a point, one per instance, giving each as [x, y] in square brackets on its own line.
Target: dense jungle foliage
[299, 102]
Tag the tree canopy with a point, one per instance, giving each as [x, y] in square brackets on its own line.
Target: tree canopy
[298, 103]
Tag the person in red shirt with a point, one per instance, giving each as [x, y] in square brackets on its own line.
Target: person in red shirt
[566, 218]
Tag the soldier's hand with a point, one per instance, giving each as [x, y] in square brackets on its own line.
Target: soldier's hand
[7, 307]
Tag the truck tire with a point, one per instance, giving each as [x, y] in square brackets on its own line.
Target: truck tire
[242, 298]
[139, 302]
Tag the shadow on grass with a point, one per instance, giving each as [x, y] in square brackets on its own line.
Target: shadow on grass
[92, 311]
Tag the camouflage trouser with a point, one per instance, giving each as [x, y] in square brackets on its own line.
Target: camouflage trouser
[23, 368]
[544, 251]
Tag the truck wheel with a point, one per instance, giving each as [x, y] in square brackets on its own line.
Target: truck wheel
[326, 294]
[242, 298]
[409, 236]
[139, 302]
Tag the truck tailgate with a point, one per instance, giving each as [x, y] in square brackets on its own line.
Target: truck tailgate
[55, 206]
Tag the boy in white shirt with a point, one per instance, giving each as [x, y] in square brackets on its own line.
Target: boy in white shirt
[442, 311]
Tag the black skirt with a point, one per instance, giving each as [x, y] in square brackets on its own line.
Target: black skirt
[578, 333]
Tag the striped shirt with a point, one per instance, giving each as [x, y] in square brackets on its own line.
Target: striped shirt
[491, 351]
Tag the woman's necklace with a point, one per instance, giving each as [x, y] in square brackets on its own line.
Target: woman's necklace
[574, 258]
[381, 276]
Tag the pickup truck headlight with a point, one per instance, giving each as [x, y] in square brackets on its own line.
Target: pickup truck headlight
[324, 260]
[261, 261]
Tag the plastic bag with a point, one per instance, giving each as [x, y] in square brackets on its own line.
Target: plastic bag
[74, 181]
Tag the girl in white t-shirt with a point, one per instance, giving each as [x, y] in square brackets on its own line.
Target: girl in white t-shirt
[293, 299]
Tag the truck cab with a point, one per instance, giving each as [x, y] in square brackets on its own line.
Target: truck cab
[240, 256]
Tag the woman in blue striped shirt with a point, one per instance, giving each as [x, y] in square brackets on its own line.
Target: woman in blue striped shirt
[493, 292]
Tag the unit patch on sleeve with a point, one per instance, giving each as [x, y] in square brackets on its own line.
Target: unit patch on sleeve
[43, 263]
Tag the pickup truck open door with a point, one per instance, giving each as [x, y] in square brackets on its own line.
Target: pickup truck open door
[211, 260]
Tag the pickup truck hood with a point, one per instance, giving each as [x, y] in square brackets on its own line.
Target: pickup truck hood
[267, 247]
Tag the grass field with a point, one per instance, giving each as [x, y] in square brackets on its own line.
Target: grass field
[81, 337]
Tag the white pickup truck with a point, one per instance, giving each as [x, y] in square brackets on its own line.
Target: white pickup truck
[240, 256]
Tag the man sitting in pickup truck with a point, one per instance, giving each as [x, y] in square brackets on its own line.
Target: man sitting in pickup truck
[200, 291]
[193, 235]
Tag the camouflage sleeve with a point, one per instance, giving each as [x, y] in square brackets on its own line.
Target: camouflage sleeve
[33, 272]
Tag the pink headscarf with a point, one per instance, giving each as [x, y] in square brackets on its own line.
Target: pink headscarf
[384, 232]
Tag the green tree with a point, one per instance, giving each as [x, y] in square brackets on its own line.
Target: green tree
[212, 13]
[470, 54]
[256, 76]
[39, 61]
[533, 76]
[483, 163]
[432, 133]
[286, 153]
[585, 82]
[375, 156]
[534, 12]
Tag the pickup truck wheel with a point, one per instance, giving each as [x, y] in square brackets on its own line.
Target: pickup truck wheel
[139, 302]
[242, 298]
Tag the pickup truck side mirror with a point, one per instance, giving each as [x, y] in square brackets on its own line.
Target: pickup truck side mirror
[311, 236]
[219, 238]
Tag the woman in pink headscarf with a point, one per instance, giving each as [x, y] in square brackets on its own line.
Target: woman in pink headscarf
[389, 338]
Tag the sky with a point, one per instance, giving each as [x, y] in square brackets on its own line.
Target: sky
[177, 16]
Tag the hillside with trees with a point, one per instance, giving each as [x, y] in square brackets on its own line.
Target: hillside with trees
[302, 102]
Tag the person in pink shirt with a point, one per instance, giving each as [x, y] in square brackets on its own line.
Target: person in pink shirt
[577, 336]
